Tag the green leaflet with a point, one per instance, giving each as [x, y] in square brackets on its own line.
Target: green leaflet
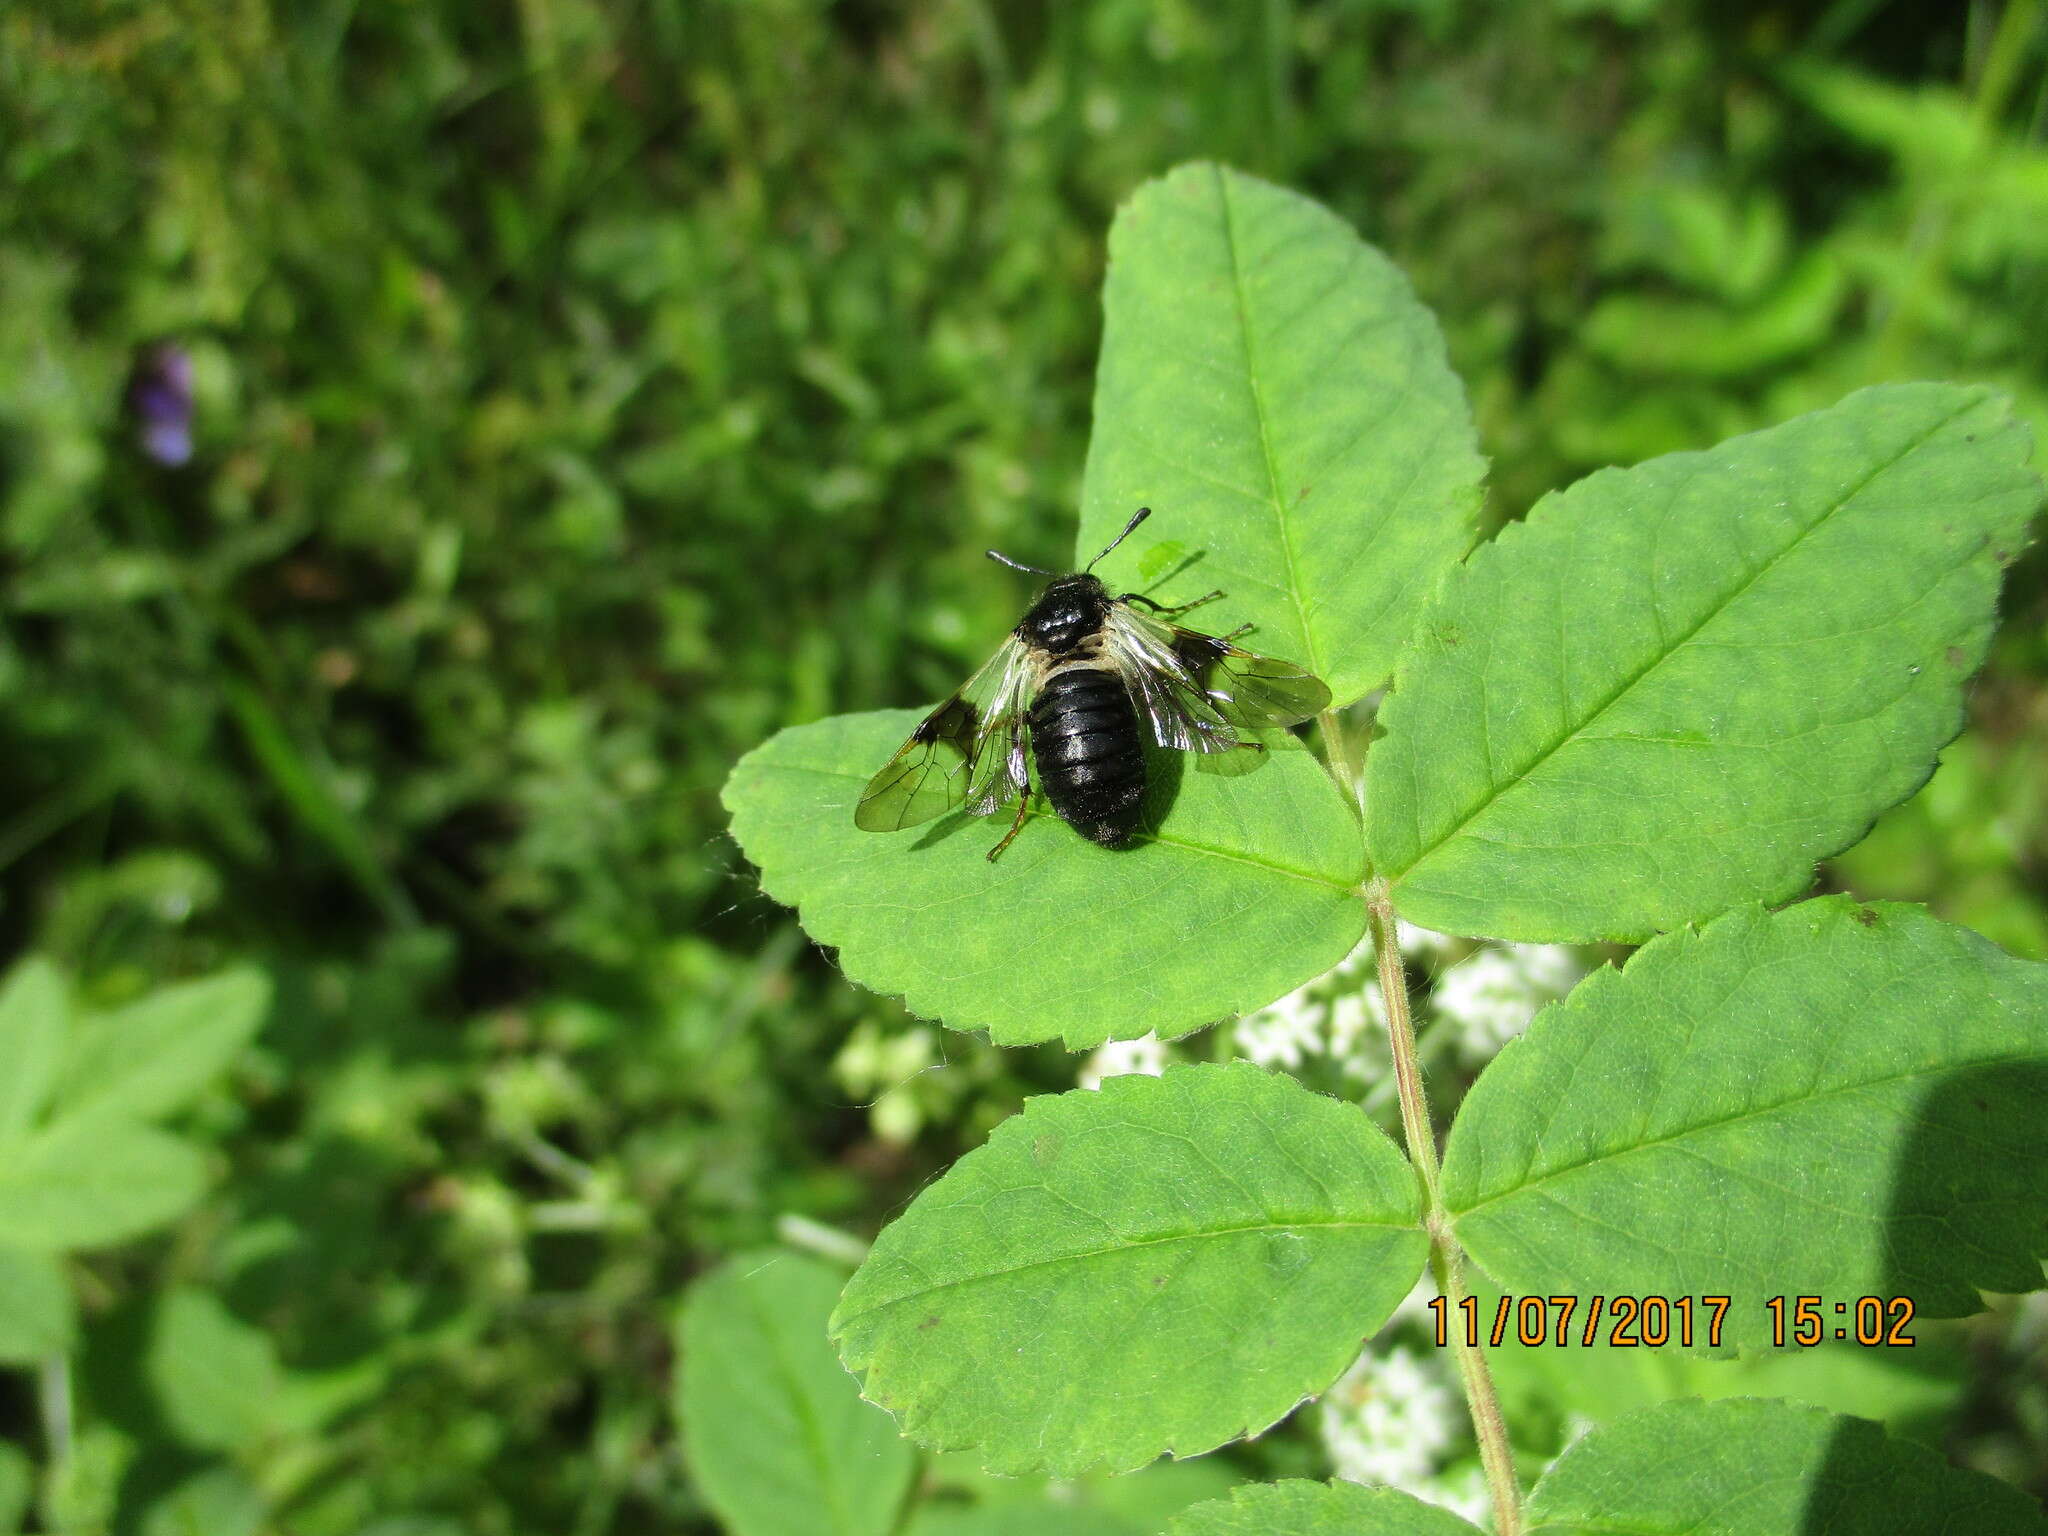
[83, 1182]
[37, 1314]
[216, 1378]
[35, 1016]
[1245, 889]
[774, 1428]
[1161, 1265]
[1674, 687]
[1271, 387]
[158, 1052]
[1834, 1100]
[1761, 1467]
[1296, 1508]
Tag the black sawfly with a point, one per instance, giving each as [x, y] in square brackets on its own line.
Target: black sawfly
[1065, 696]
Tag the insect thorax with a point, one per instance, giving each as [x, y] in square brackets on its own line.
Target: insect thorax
[1068, 613]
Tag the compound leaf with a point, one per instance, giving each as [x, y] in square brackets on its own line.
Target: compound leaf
[1297, 1508]
[774, 1428]
[1834, 1100]
[1273, 389]
[1764, 1467]
[1674, 687]
[1161, 1265]
[1236, 891]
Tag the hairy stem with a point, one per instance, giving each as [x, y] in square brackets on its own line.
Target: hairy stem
[1446, 1259]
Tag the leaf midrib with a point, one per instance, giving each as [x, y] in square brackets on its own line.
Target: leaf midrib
[1085, 1254]
[1759, 1111]
[1251, 376]
[810, 1431]
[1627, 684]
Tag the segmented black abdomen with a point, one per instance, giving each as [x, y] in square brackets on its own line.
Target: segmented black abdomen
[1091, 759]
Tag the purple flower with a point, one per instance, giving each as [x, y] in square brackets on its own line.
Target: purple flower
[160, 395]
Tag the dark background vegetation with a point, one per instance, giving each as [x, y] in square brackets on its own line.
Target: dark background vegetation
[585, 390]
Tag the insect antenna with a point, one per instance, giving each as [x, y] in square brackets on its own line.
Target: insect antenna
[1002, 559]
[1137, 518]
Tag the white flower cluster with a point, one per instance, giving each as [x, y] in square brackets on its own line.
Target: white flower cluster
[1340, 1015]
[1147, 1054]
[1490, 996]
[1390, 1420]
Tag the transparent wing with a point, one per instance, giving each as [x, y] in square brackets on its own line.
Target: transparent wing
[1249, 689]
[1202, 693]
[1181, 714]
[971, 750]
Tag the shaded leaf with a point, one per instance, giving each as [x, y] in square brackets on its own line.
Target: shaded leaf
[775, 1430]
[38, 1316]
[1240, 891]
[1273, 389]
[1762, 1467]
[1296, 1508]
[216, 1502]
[35, 1014]
[1674, 687]
[86, 1181]
[1834, 1100]
[1161, 1265]
[17, 1486]
[155, 1054]
[216, 1378]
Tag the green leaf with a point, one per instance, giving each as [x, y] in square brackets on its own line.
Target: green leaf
[1241, 891]
[1833, 1100]
[35, 1013]
[1762, 1467]
[17, 1487]
[1160, 1265]
[87, 1181]
[158, 1052]
[216, 1378]
[1271, 387]
[1296, 1508]
[1046, 1518]
[1674, 687]
[775, 1431]
[37, 1314]
[216, 1502]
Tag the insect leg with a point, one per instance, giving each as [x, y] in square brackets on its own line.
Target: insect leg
[1139, 597]
[1009, 837]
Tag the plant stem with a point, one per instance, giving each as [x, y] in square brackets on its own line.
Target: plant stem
[1446, 1260]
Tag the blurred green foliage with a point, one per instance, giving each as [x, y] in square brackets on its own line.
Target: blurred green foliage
[582, 391]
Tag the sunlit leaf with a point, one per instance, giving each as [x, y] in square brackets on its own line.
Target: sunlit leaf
[35, 1014]
[1836, 1101]
[37, 1314]
[1296, 1508]
[775, 1430]
[1237, 891]
[1675, 687]
[156, 1053]
[85, 1181]
[1761, 1467]
[1271, 387]
[216, 1378]
[1161, 1265]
